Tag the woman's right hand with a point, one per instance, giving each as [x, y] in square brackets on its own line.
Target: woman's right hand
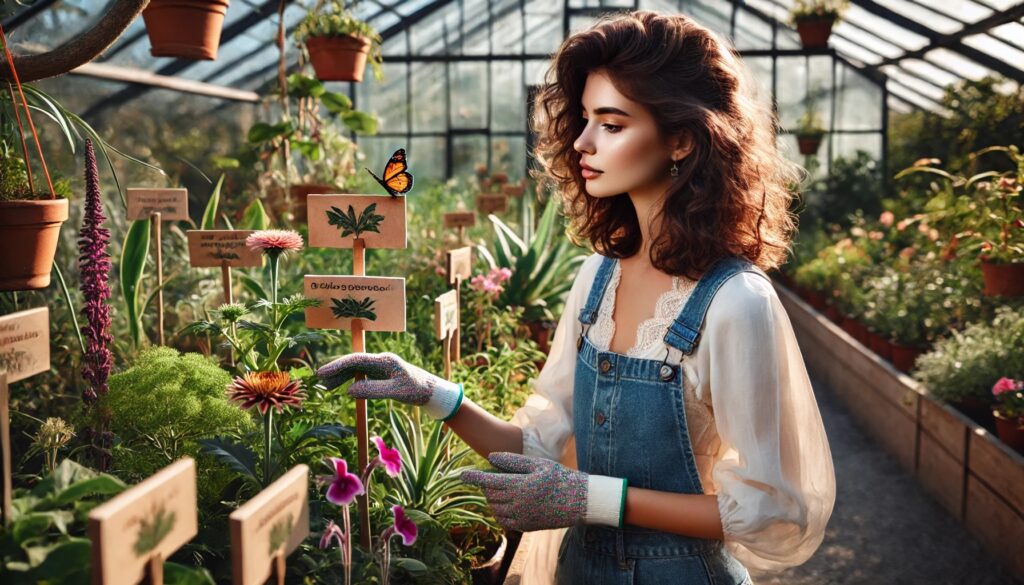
[389, 376]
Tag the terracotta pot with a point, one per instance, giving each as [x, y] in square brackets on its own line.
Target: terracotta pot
[977, 409]
[1003, 280]
[849, 326]
[29, 231]
[808, 144]
[338, 58]
[904, 356]
[833, 313]
[814, 33]
[490, 572]
[189, 29]
[881, 346]
[299, 192]
[1010, 431]
[541, 333]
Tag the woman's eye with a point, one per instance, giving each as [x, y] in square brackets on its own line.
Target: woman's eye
[612, 128]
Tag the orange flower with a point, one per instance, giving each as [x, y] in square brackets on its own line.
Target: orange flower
[266, 390]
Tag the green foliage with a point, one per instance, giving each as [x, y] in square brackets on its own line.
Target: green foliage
[852, 184]
[330, 18]
[350, 225]
[350, 308]
[162, 406]
[210, 213]
[14, 180]
[813, 10]
[969, 362]
[134, 253]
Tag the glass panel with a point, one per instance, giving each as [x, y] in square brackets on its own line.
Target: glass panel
[848, 49]
[847, 145]
[771, 8]
[913, 98]
[386, 99]
[377, 150]
[962, 65]
[761, 73]
[508, 96]
[428, 109]
[508, 28]
[752, 32]
[1010, 32]
[578, 23]
[476, 27]
[933, 18]
[869, 41]
[858, 101]
[468, 151]
[713, 14]
[468, 94]
[543, 26]
[927, 70]
[508, 154]
[535, 71]
[428, 36]
[429, 154]
[996, 48]
[792, 89]
[883, 28]
[922, 87]
[668, 6]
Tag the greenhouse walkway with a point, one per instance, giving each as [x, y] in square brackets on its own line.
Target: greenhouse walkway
[885, 528]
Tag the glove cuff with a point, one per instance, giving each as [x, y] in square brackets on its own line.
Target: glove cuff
[606, 500]
[444, 401]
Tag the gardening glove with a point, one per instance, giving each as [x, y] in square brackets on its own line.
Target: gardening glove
[533, 493]
[389, 376]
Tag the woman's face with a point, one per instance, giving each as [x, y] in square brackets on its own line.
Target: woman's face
[621, 143]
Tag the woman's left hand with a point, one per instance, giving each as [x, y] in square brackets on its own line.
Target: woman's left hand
[532, 493]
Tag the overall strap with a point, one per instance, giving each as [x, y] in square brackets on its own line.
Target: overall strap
[684, 332]
[604, 274]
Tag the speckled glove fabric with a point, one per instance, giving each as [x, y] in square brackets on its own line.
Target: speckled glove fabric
[532, 493]
[389, 376]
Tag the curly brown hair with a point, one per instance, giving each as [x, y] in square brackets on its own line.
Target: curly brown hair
[733, 192]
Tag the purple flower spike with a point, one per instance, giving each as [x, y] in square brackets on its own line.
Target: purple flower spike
[332, 532]
[390, 458]
[344, 486]
[94, 265]
[405, 527]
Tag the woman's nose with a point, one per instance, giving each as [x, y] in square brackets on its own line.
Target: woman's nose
[583, 143]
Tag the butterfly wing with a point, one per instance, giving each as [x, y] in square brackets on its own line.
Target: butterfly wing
[397, 178]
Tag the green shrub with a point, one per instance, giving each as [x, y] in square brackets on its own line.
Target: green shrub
[162, 406]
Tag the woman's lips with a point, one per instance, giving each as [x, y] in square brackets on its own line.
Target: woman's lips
[589, 174]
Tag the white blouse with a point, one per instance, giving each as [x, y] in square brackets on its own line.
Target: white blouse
[754, 425]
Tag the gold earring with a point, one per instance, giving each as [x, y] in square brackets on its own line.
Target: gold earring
[674, 171]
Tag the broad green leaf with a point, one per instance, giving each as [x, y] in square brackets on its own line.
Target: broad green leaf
[254, 217]
[210, 214]
[336, 103]
[133, 264]
[360, 122]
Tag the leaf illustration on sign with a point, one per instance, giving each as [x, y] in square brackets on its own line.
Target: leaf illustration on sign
[280, 532]
[368, 221]
[153, 530]
[350, 308]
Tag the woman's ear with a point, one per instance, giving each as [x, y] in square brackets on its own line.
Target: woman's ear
[681, 146]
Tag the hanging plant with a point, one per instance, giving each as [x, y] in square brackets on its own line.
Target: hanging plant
[338, 43]
[188, 29]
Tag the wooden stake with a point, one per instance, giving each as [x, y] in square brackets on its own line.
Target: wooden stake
[5, 446]
[155, 218]
[278, 572]
[457, 334]
[362, 439]
[448, 356]
[462, 234]
[155, 570]
[225, 276]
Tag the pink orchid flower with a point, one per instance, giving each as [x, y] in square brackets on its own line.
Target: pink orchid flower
[344, 486]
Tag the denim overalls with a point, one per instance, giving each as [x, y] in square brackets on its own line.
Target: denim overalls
[629, 422]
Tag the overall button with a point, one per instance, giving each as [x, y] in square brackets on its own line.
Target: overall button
[599, 418]
[666, 373]
[605, 366]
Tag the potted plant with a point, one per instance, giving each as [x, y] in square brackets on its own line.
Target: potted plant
[814, 20]
[189, 29]
[809, 131]
[1009, 411]
[338, 43]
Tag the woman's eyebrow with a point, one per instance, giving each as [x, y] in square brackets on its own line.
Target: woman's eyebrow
[607, 110]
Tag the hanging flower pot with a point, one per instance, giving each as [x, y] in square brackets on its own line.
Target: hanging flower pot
[1003, 279]
[340, 58]
[189, 29]
[808, 143]
[29, 231]
[1010, 430]
[814, 34]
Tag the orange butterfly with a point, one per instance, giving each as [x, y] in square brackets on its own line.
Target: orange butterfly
[397, 180]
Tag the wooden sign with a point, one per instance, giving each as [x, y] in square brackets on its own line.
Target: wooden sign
[213, 248]
[460, 264]
[171, 204]
[25, 343]
[491, 203]
[377, 302]
[514, 189]
[446, 314]
[136, 531]
[335, 221]
[459, 219]
[269, 527]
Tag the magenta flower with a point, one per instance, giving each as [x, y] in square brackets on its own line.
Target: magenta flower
[1007, 385]
[94, 265]
[405, 527]
[332, 532]
[390, 458]
[491, 283]
[274, 242]
[344, 486]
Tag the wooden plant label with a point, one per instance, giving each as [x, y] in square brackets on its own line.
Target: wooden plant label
[460, 264]
[378, 302]
[514, 189]
[148, 522]
[172, 204]
[335, 221]
[491, 203]
[25, 343]
[212, 248]
[457, 219]
[446, 314]
[272, 524]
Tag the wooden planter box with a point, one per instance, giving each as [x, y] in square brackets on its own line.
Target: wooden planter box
[969, 471]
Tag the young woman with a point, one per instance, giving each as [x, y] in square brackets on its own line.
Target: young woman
[700, 449]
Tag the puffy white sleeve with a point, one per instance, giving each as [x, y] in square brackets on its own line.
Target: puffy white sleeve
[776, 484]
[546, 417]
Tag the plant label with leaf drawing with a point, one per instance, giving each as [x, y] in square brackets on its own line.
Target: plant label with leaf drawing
[457, 219]
[335, 221]
[460, 264]
[212, 248]
[25, 343]
[156, 516]
[446, 314]
[377, 301]
[171, 203]
[275, 521]
[491, 203]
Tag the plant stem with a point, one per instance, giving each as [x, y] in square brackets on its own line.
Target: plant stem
[268, 422]
[346, 548]
[274, 256]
